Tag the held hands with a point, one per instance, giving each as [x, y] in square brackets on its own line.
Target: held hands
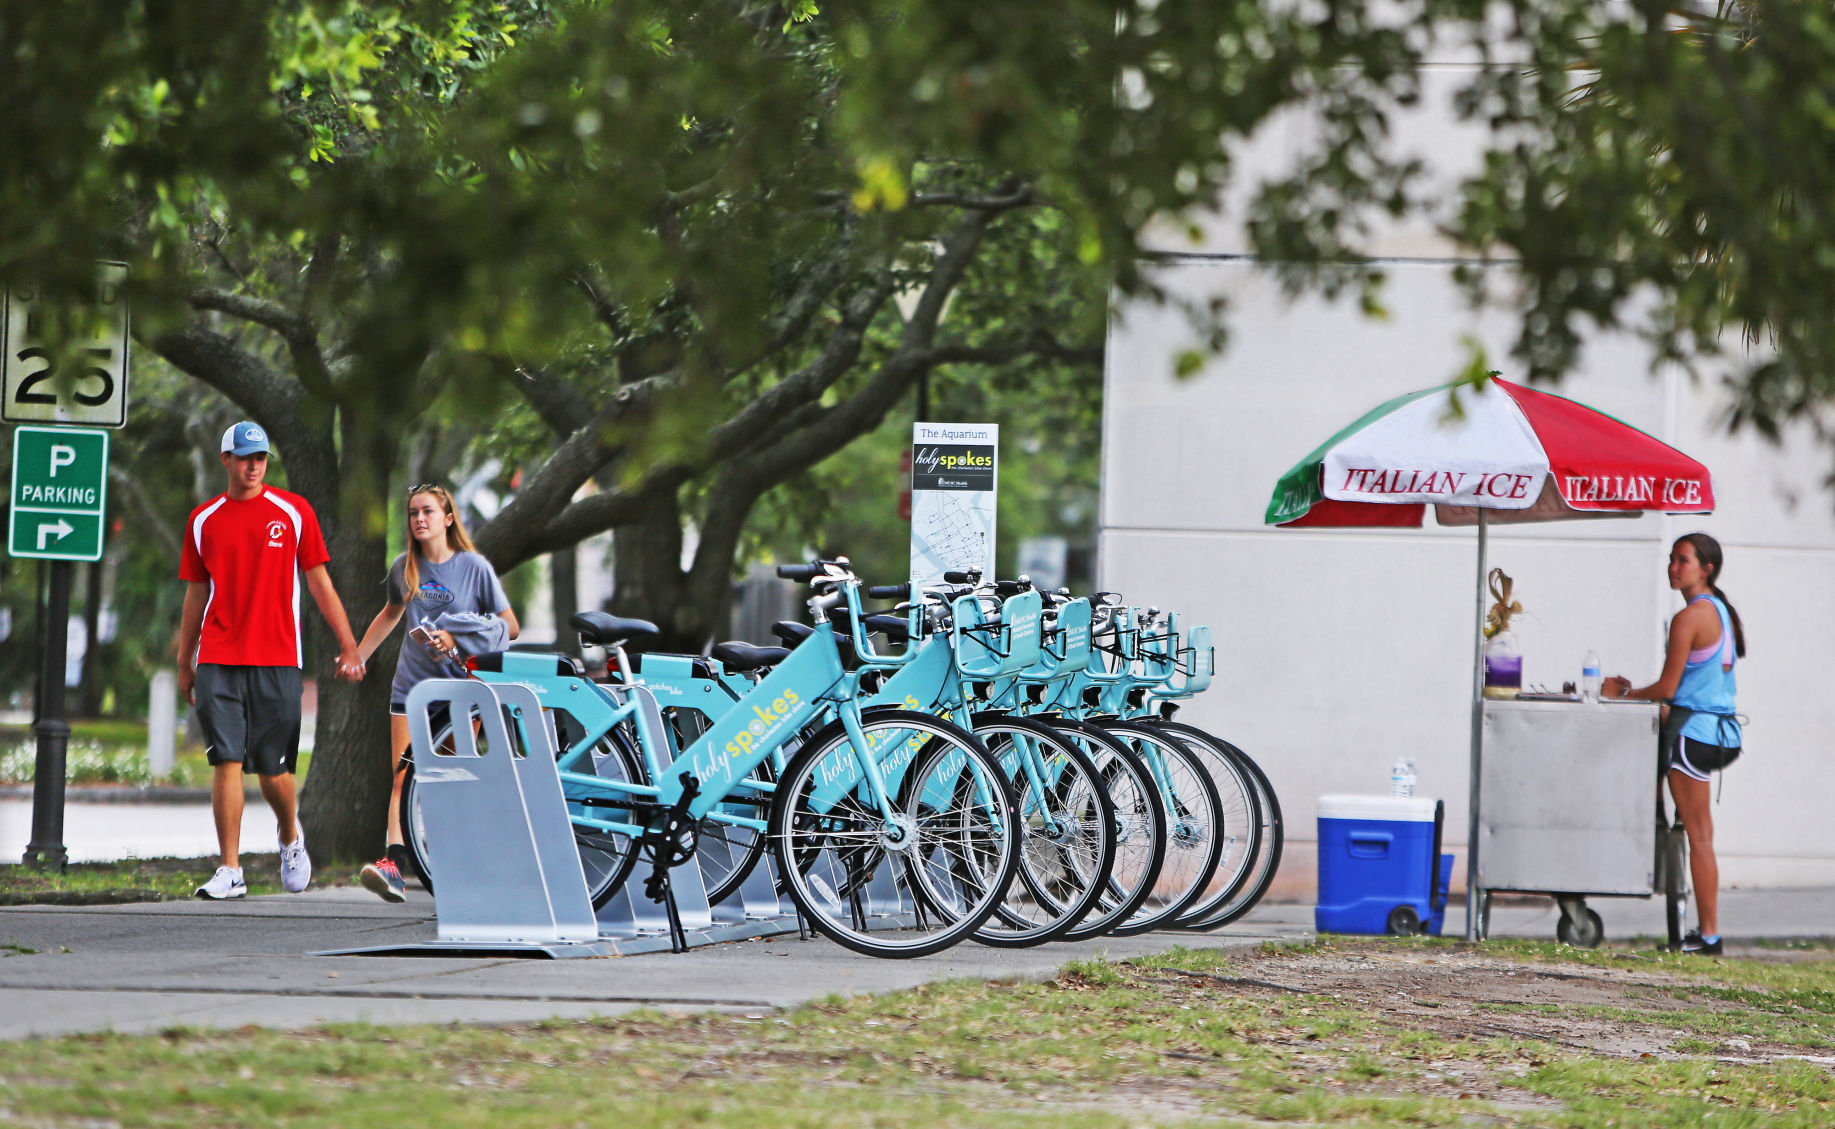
[350, 664]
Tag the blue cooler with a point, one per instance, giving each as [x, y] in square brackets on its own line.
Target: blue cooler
[1380, 866]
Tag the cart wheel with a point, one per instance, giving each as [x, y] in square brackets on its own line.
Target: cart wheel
[1404, 922]
[1583, 932]
[1675, 883]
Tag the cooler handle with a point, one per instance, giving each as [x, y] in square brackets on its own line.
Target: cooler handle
[1371, 844]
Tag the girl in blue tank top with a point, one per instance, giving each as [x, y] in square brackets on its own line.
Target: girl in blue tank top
[1700, 732]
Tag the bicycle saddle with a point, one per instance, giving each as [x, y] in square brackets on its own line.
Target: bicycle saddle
[793, 633]
[492, 662]
[610, 630]
[894, 627]
[697, 668]
[741, 657]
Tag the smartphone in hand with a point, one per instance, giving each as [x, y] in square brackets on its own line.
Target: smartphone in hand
[424, 636]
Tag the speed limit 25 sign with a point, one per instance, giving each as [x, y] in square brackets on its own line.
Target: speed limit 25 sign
[81, 381]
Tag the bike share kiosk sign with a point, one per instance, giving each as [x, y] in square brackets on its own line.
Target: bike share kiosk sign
[954, 474]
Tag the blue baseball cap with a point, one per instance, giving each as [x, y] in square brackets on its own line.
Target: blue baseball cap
[245, 438]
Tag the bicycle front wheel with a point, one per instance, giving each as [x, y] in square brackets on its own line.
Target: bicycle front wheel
[1069, 828]
[1139, 821]
[896, 876]
[1194, 825]
[1267, 858]
[1243, 826]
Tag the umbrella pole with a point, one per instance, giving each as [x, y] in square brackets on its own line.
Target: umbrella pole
[1478, 741]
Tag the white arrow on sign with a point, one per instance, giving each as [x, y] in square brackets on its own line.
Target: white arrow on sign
[63, 529]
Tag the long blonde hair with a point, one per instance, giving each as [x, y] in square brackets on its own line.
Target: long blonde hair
[457, 539]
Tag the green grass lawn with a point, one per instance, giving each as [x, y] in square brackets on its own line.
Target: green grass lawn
[130, 880]
[1313, 1036]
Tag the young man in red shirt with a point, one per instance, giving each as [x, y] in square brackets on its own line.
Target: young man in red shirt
[240, 647]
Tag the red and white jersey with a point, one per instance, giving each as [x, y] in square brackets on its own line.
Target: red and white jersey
[251, 554]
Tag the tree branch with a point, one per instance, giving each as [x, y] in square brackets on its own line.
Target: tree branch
[295, 328]
[262, 311]
[506, 538]
[596, 513]
[218, 361]
[1035, 342]
[608, 314]
[755, 422]
[149, 516]
[324, 259]
[1013, 197]
[559, 403]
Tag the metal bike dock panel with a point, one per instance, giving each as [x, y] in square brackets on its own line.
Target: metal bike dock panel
[508, 880]
[507, 873]
[757, 898]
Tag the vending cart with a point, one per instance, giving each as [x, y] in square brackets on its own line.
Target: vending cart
[1572, 809]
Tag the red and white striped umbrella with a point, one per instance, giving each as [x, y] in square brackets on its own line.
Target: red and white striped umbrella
[1520, 454]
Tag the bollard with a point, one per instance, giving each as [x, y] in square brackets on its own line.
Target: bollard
[162, 722]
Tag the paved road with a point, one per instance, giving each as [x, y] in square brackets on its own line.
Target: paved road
[102, 832]
[150, 967]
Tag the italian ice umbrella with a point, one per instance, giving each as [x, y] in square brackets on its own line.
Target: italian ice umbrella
[1490, 452]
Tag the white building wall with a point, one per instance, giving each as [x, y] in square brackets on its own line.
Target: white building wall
[1340, 650]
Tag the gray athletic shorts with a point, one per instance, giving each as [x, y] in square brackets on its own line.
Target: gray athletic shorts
[250, 716]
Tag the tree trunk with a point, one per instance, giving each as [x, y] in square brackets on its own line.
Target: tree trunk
[89, 686]
[564, 592]
[346, 794]
[345, 799]
[649, 573]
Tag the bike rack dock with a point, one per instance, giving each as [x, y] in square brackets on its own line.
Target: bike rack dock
[511, 881]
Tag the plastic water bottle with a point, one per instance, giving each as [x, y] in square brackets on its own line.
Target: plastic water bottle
[1401, 779]
[1589, 677]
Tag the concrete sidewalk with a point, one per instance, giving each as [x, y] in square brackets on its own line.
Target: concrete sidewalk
[150, 967]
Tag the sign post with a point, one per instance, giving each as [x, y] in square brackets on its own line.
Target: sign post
[59, 496]
[954, 480]
[60, 372]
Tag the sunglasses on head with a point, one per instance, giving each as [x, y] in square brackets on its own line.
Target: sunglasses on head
[425, 488]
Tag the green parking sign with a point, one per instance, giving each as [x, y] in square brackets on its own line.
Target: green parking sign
[60, 490]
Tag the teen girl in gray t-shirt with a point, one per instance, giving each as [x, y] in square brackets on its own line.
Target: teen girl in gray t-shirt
[440, 573]
[464, 582]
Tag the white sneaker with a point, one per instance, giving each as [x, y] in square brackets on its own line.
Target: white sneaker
[295, 865]
[225, 883]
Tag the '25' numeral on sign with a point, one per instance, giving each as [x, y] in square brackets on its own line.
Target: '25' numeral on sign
[24, 394]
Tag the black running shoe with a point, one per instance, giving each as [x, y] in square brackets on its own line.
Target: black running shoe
[1694, 944]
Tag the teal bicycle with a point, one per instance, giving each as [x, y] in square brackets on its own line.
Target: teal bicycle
[895, 833]
[1066, 806]
[968, 663]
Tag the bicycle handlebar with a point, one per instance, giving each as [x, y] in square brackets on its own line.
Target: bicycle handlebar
[887, 591]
